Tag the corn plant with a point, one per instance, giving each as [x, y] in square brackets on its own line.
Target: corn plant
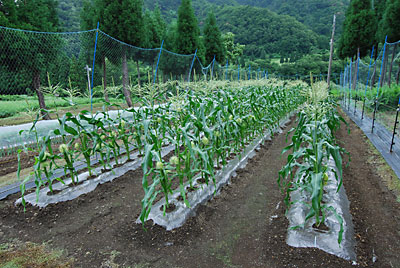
[205, 127]
[313, 144]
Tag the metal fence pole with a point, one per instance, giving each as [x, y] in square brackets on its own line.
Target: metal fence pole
[379, 83]
[366, 85]
[94, 60]
[158, 61]
[191, 67]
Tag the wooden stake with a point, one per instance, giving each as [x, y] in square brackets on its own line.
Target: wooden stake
[331, 52]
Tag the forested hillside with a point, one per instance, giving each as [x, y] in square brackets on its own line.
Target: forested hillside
[317, 14]
[69, 14]
[264, 32]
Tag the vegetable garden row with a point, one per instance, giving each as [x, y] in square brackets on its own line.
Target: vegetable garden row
[205, 127]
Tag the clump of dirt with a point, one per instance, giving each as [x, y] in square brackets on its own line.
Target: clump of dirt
[171, 207]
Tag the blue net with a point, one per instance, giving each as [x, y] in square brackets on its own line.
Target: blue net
[371, 87]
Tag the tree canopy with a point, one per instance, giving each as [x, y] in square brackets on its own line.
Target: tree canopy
[391, 21]
[213, 41]
[358, 30]
[188, 31]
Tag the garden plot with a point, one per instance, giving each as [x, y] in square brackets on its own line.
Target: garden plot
[242, 226]
[204, 128]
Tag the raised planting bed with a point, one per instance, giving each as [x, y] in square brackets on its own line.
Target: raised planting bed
[66, 191]
[318, 208]
[202, 191]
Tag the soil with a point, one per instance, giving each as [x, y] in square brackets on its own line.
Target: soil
[244, 226]
[9, 164]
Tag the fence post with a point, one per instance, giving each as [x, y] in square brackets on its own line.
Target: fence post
[212, 68]
[238, 71]
[377, 91]
[340, 85]
[344, 86]
[94, 60]
[350, 85]
[249, 75]
[395, 126]
[226, 70]
[158, 61]
[356, 85]
[366, 85]
[191, 67]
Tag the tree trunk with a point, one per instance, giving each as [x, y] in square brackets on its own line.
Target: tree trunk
[125, 78]
[138, 72]
[152, 72]
[42, 104]
[398, 75]
[103, 59]
[331, 53]
[391, 65]
[374, 72]
[354, 72]
[383, 75]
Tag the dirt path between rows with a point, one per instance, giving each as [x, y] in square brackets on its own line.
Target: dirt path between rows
[244, 226]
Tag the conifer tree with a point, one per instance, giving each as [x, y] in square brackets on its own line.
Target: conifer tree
[213, 40]
[358, 29]
[379, 7]
[39, 50]
[123, 20]
[8, 13]
[188, 30]
[233, 51]
[390, 27]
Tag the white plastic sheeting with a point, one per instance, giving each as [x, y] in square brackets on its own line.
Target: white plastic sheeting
[177, 218]
[71, 192]
[327, 241]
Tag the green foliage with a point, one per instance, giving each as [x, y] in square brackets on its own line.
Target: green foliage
[155, 28]
[262, 30]
[358, 30]
[38, 15]
[68, 13]
[188, 31]
[391, 21]
[316, 14]
[314, 144]
[8, 13]
[35, 53]
[122, 20]
[233, 50]
[20, 104]
[212, 40]
[316, 63]
[388, 97]
[379, 8]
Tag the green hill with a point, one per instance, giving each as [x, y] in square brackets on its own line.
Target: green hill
[290, 28]
[316, 14]
[265, 32]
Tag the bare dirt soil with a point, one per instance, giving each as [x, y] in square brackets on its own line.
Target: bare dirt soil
[244, 226]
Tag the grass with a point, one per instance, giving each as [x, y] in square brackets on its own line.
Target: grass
[17, 254]
[19, 112]
[384, 171]
[386, 113]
